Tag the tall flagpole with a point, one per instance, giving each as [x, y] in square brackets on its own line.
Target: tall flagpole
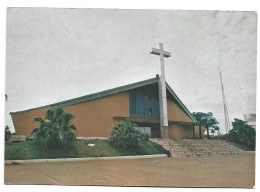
[227, 122]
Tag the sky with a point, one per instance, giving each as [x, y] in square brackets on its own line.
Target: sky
[57, 54]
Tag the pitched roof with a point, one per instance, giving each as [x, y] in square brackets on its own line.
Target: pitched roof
[111, 92]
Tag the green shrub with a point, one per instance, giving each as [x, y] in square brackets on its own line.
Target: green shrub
[125, 136]
[162, 149]
[7, 132]
[55, 129]
[242, 133]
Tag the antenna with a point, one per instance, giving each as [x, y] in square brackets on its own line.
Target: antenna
[227, 123]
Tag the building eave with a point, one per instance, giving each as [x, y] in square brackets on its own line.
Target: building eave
[111, 92]
[96, 95]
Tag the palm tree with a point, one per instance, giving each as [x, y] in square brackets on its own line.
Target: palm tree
[57, 128]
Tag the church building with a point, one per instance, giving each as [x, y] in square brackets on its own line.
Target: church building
[151, 104]
[96, 114]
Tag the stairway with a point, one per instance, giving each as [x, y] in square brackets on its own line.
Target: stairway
[197, 147]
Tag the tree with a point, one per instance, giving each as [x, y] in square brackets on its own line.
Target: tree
[213, 132]
[206, 119]
[125, 136]
[216, 128]
[7, 132]
[242, 133]
[55, 129]
[7, 128]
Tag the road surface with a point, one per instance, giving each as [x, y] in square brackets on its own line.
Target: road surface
[213, 171]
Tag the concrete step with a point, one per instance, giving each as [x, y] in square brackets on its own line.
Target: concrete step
[200, 147]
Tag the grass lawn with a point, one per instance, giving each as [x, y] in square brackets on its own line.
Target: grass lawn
[29, 150]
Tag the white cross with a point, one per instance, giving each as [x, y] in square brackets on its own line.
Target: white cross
[160, 51]
[162, 54]
[162, 90]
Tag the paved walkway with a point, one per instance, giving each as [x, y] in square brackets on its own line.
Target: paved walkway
[217, 171]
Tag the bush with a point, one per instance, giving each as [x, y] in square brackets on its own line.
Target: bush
[222, 137]
[55, 129]
[125, 136]
[162, 149]
[7, 132]
[242, 133]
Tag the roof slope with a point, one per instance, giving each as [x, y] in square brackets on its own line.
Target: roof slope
[111, 92]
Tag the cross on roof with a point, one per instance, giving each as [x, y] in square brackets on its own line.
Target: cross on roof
[162, 54]
[162, 92]
[160, 51]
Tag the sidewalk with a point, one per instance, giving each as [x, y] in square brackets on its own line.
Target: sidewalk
[211, 171]
[83, 159]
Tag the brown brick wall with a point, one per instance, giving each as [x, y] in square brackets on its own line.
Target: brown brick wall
[178, 131]
[23, 121]
[92, 118]
[95, 118]
[175, 113]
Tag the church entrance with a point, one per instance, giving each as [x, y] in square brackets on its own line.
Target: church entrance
[144, 130]
[155, 132]
[152, 130]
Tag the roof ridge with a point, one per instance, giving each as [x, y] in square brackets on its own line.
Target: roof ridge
[96, 95]
[112, 91]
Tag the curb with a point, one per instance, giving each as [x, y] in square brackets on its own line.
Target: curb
[9, 162]
[249, 151]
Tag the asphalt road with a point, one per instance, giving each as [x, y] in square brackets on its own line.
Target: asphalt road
[213, 171]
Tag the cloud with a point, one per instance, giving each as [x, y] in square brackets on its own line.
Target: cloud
[59, 54]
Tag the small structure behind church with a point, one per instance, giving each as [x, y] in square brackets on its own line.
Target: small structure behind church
[250, 119]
